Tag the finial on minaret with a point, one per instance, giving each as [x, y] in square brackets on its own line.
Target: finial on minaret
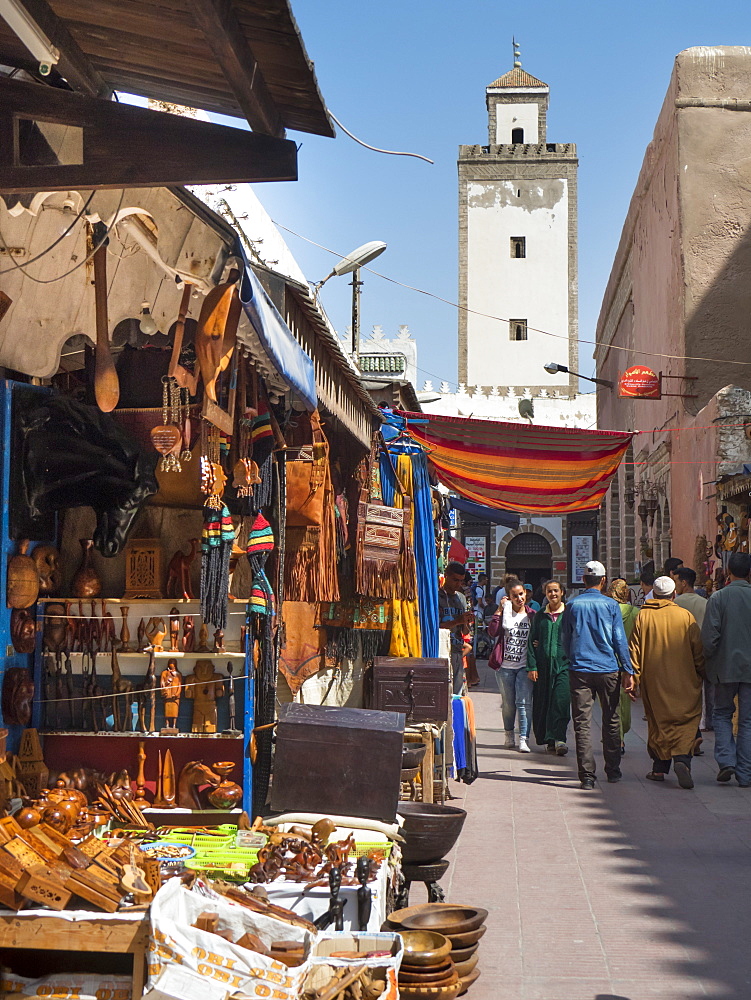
[517, 55]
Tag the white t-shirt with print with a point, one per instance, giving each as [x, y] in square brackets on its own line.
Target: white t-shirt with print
[515, 637]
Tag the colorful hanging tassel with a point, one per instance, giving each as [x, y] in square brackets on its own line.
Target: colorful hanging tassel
[216, 547]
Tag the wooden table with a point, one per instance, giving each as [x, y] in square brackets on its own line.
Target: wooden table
[122, 934]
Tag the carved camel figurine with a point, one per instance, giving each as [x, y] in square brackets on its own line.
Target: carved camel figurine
[193, 775]
[178, 573]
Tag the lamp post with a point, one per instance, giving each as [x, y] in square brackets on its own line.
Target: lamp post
[552, 368]
[351, 264]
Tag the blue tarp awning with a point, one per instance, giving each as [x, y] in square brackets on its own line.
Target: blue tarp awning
[277, 340]
[504, 517]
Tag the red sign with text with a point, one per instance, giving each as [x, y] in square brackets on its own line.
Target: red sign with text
[640, 383]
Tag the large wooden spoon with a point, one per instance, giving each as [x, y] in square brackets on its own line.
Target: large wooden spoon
[106, 382]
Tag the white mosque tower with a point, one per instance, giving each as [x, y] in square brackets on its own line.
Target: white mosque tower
[518, 246]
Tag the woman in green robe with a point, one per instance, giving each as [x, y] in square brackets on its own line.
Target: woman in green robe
[547, 666]
[619, 591]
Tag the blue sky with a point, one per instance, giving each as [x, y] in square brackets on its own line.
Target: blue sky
[411, 75]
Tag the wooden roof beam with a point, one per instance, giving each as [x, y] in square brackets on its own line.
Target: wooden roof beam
[225, 35]
[74, 64]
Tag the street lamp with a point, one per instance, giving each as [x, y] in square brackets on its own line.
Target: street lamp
[351, 264]
[552, 368]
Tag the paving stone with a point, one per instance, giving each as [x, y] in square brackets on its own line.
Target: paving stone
[633, 891]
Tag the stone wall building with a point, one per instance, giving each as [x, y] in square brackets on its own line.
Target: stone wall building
[679, 301]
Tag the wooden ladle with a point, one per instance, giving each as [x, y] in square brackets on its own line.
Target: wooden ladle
[106, 382]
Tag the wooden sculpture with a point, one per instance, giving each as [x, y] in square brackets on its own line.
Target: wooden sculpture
[124, 631]
[155, 632]
[219, 641]
[107, 633]
[121, 687]
[217, 332]
[140, 800]
[166, 787]
[174, 630]
[86, 582]
[203, 639]
[203, 687]
[171, 683]
[178, 573]
[192, 777]
[18, 692]
[189, 634]
[22, 630]
[47, 561]
[55, 633]
[148, 697]
[23, 578]
[141, 636]
[106, 382]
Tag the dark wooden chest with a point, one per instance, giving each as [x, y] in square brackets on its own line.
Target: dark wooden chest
[418, 687]
[342, 761]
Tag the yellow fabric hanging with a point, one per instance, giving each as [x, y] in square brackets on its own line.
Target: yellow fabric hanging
[405, 632]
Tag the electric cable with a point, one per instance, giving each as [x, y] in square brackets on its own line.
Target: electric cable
[501, 319]
[376, 149]
[51, 246]
[59, 277]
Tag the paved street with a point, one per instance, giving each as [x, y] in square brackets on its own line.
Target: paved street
[628, 892]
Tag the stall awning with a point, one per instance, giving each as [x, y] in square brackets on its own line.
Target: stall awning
[520, 467]
[289, 359]
[485, 513]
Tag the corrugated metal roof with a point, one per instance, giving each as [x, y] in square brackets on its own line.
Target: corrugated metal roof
[516, 77]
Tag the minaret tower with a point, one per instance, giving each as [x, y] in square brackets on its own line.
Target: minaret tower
[517, 244]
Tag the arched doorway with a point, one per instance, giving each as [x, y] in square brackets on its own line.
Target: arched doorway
[530, 556]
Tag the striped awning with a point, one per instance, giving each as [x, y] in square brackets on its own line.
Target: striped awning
[520, 467]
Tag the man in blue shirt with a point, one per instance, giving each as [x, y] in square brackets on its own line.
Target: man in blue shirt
[595, 642]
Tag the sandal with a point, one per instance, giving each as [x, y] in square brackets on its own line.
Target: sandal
[655, 776]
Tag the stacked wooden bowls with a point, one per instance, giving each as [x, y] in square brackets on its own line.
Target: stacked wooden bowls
[463, 926]
[427, 971]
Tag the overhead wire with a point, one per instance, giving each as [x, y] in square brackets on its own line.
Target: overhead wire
[89, 257]
[376, 149]
[501, 319]
[52, 246]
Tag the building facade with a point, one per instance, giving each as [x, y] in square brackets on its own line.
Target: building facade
[679, 301]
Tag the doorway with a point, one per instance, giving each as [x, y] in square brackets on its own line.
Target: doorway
[530, 557]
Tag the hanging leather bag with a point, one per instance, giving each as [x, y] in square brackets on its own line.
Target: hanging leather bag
[306, 475]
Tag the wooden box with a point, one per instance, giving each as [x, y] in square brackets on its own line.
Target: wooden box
[418, 687]
[342, 761]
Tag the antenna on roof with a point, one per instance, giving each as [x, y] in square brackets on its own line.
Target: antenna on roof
[517, 54]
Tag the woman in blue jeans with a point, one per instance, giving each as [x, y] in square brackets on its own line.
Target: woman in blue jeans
[511, 624]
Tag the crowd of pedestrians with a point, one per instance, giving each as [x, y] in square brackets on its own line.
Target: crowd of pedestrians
[688, 658]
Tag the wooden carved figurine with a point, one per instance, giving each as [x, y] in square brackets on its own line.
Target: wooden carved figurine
[140, 800]
[178, 573]
[23, 578]
[107, 633]
[155, 632]
[203, 639]
[364, 894]
[47, 561]
[55, 634]
[18, 692]
[231, 730]
[22, 630]
[141, 636]
[174, 630]
[192, 777]
[335, 913]
[203, 687]
[120, 687]
[189, 634]
[166, 786]
[219, 641]
[171, 683]
[148, 697]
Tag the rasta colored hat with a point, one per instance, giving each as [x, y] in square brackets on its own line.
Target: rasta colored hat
[261, 537]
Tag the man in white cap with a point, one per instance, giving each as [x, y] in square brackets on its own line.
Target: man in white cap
[668, 660]
[595, 642]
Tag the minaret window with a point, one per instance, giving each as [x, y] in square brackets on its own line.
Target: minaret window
[517, 329]
[517, 136]
[518, 246]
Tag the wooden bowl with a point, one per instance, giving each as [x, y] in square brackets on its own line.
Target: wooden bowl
[425, 947]
[464, 968]
[465, 940]
[446, 919]
[423, 970]
[467, 981]
[429, 977]
[430, 992]
[462, 954]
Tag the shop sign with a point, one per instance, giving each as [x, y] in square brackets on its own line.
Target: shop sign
[639, 382]
[477, 558]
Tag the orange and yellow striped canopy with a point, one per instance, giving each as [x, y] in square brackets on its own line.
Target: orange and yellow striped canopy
[520, 467]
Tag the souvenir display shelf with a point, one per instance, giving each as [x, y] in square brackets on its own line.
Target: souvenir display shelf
[70, 745]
